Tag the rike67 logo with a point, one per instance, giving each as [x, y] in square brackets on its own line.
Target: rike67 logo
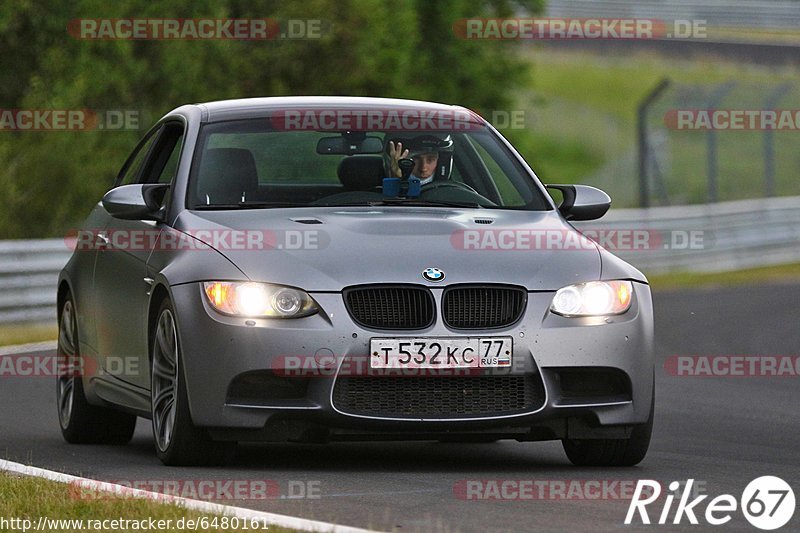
[767, 502]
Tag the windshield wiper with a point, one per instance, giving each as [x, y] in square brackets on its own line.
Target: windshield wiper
[247, 205]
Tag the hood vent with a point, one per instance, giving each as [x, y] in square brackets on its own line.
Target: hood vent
[306, 220]
[483, 220]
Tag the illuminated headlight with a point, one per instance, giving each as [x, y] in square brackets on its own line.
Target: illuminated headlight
[595, 298]
[258, 300]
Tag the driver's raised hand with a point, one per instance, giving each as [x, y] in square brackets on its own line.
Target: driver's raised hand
[396, 153]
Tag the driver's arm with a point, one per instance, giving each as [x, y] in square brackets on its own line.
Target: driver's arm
[396, 153]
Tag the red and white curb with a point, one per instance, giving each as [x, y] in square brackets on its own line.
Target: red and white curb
[187, 503]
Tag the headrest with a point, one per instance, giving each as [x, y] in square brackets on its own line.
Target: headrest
[444, 167]
[361, 173]
[227, 175]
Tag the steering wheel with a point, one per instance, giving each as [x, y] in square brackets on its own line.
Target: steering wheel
[451, 184]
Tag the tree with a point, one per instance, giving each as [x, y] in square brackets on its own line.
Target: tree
[400, 48]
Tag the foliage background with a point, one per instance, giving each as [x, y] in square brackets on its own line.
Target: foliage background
[403, 48]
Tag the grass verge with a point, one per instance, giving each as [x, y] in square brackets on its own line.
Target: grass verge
[753, 276]
[24, 333]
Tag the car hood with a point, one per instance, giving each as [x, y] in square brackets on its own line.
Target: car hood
[327, 249]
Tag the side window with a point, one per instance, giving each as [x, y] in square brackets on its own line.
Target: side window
[162, 164]
[171, 168]
[130, 173]
[509, 194]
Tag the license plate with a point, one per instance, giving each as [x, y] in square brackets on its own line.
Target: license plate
[448, 352]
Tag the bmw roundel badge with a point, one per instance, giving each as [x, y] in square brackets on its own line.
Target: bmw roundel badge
[434, 275]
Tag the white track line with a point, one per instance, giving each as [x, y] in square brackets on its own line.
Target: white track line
[28, 348]
[195, 505]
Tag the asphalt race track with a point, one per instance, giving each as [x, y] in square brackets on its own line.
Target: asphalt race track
[721, 431]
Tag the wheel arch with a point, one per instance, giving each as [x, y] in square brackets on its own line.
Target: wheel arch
[63, 289]
[159, 294]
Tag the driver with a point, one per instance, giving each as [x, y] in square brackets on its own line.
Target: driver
[424, 150]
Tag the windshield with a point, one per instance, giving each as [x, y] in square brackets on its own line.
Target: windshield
[250, 164]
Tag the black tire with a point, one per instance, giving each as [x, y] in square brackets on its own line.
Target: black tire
[177, 440]
[612, 452]
[81, 422]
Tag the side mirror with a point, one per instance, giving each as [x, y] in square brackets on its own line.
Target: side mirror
[136, 201]
[582, 202]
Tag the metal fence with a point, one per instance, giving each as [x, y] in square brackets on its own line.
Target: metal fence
[720, 13]
[28, 278]
[696, 238]
[696, 164]
[710, 238]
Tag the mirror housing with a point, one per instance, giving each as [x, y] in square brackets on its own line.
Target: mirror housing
[582, 202]
[136, 201]
[350, 143]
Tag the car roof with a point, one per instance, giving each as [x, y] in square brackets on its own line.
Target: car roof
[255, 107]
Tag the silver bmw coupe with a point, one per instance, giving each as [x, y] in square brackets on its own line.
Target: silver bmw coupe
[316, 269]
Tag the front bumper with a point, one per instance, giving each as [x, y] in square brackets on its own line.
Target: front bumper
[219, 349]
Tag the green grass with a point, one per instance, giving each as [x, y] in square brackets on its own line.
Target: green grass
[24, 333]
[581, 123]
[31, 498]
[615, 84]
[754, 276]
[755, 35]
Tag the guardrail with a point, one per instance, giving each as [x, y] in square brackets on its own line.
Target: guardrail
[768, 14]
[28, 278]
[728, 235]
[698, 238]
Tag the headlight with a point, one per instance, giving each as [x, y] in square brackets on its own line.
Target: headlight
[250, 299]
[595, 298]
